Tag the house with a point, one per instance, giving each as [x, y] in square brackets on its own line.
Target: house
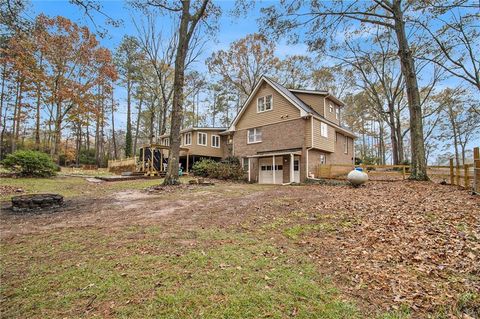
[197, 143]
[280, 135]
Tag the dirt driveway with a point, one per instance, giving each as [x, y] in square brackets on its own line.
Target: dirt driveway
[405, 246]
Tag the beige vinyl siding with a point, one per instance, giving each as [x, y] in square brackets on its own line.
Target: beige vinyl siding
[315, 101]
[320, 142]
[331, 116]
[201, 150]
[282, 110]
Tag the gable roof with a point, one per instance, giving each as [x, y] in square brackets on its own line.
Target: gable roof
[305, 110]
[327, 95]
[296, 102]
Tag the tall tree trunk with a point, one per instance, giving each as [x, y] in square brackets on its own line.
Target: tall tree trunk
[2, 96]
[13, 141]
[137, 125]
[172, 177]
[399, 134]
[128, 135]
[419, 165]
[114, 140]
[37, 114]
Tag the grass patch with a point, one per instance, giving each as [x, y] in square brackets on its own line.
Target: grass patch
[137, 273]
[297, 231]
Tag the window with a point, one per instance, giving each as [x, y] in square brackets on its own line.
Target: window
[166, 141]
[337, 113]
[202, 138]
[245, 164]
[323, 159]
[187, 139]
[324, 130]
[296, 165]
[345, 145]
[216, 141]
[264, 103]
[254, 135]
[330, 107]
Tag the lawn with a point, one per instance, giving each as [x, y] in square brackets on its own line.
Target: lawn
[242, 251]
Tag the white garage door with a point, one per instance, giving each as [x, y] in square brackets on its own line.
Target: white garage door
[266, 171]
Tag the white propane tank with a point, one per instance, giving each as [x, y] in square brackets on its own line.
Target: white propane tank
[357, 177]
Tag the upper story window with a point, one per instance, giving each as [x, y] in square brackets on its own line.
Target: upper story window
[202, 138]
[330, 107]
[337, 113]
[254, 135]
[264, 103]
[187, 138]
[345, 145]
[324, 130]
[216, 141]
[166, 141]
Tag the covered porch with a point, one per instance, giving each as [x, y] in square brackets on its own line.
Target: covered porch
[275, 167]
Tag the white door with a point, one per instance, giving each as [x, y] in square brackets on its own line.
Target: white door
[266, 171]
[296, 170]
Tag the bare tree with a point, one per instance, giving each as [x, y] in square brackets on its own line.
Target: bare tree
[327, 17]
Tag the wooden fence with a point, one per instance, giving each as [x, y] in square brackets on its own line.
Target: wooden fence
[122, 165]
[467, 176]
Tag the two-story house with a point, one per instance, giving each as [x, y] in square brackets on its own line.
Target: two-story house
[281, 135]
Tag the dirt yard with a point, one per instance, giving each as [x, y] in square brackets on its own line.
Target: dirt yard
[387, 250]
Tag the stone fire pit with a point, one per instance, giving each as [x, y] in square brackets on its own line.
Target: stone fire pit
[36, 202]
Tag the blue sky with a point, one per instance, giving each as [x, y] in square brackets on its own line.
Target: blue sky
[230, 29]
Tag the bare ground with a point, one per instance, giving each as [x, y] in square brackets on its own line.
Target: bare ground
[387, 245]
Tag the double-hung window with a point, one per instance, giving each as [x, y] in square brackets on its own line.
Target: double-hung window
[324, 130]
[345, 145]
[337, 113]
[323, 159]
[202, 139]
[216, 141]
[330, 107]
[254, 135]
[187, 139]
[264, 103]
[166, 141]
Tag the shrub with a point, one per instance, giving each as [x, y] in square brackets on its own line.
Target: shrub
[30, 163]
[219, 170]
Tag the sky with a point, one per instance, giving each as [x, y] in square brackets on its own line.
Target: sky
[230, 29]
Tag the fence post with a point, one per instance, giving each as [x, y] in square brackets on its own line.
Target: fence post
[466, 179]
[403, 172]
[452, 180]
[476, 170]
[457, 174]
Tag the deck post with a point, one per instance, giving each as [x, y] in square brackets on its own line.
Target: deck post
[273, 166]
[188, 160]
[403, 172]
[249, 178]
[452, 179]
[292, 159]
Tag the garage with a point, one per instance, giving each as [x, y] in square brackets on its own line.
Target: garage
[267, 169]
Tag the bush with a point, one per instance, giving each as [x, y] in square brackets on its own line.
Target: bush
[30, 163]
[219, 170]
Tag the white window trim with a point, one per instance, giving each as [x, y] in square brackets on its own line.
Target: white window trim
[337, 113]
[321, 131]
[213, 137]
[198, 138]
[330, 107]
[345, 145]
[255, 134]
[264, 98]
[185, 138]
